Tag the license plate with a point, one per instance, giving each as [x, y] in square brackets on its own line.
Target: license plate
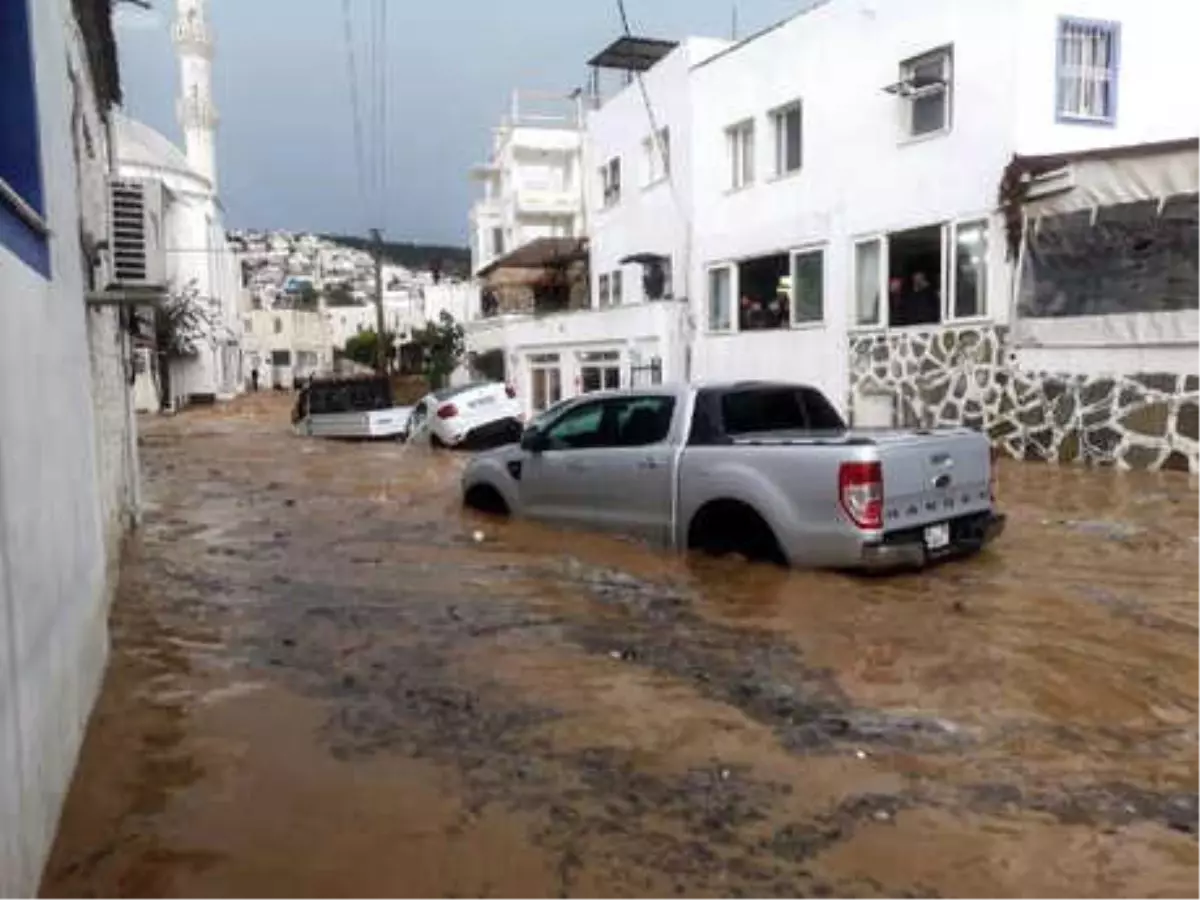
[937, 536]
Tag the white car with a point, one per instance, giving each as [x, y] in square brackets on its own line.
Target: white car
[473, 415]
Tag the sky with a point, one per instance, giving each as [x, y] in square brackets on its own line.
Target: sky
[286, 153]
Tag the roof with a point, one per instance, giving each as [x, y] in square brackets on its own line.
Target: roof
[632, 54]
[539, 253]
[139, 144]
[1055, 160]
[733, 48]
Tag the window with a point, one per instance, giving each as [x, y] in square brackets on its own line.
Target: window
[599, 371]
[778, 409]
[497, 241]
[618, 422]
[278, 325]
[610, 181]
[546, 380]
[925, 88]
[740, 141]
[281, 357]
[603, 290]
[581, 428]
[1087, 70]
[22, 225]
[720, 297]
[970, 269]
[808, 286]
[656, 157]
[656, 278]
[867, 275]
[616, 288]
[933, 273]
[786, 124]
[915, 276]
[764, 293]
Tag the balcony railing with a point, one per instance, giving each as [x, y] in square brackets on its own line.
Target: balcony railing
[547, 202]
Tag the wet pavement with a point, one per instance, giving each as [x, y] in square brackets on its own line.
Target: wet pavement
[323, 683]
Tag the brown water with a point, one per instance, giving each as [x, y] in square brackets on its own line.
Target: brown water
[321, 684]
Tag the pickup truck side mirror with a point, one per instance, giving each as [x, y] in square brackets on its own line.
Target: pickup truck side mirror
[534, 441]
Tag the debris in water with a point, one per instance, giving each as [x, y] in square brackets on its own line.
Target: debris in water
[861, 754]
[478, 537]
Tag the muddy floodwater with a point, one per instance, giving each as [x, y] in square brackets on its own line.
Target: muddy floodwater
[324, 681]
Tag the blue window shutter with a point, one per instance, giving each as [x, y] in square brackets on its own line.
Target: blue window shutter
[20, 150]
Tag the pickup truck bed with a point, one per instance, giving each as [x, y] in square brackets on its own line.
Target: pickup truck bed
[762, 468]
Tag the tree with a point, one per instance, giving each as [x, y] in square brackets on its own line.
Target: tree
[183, 321]
[442, 345]
[307, 297]
[361, 347]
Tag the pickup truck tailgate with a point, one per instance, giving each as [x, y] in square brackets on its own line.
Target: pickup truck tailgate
[933, 476]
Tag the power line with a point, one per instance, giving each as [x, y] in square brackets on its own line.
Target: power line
[352, 75]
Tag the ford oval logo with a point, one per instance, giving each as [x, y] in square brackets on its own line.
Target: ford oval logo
[942, 481]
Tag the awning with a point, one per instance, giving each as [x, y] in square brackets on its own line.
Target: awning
[632, 54]
[644, 259]
[539, 254]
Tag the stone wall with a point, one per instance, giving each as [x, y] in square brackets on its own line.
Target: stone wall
[963, 376]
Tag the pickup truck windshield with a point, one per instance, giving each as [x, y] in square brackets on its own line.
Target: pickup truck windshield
[762, 409]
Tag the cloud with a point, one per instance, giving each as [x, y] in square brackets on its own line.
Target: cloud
[133, 18]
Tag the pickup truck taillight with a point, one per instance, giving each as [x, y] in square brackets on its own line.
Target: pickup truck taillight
[448, 411]
[510, 391]
[860, 491]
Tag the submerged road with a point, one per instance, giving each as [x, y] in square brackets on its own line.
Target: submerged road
[322, 684]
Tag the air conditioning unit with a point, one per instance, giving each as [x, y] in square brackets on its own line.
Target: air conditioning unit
[136, 238]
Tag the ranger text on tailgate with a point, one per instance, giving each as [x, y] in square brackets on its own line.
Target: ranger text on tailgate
[765, 469]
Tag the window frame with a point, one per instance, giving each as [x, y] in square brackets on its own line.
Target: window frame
[656, 165]
[610, 182]
[949, 233]
[603, 297]
[736, 155]
[24, 229]
[820, 249]
[906, 72]
[1113, 28]
[778, 117]
[615, 284]
[730, 268]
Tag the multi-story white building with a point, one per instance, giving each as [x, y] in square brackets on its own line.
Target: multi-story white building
[632, 324]
[532, 183]
[853, 219]
[847, 223]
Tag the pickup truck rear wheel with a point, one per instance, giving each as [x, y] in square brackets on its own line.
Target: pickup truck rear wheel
[730, 526]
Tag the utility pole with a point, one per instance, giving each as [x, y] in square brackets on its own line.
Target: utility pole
[381, 354]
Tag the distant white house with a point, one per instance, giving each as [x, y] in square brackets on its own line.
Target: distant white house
[532, 181]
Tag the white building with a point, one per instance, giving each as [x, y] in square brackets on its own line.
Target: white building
[862, 179]
[198, 252]
[68, 455]
[632, 326]
[532, 184]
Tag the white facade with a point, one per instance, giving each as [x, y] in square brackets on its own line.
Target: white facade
[198, 251]
[532, 184]
[68, 466]
[862, 173]
[286, 346]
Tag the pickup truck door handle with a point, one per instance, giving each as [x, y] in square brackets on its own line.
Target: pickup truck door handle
[648, 463]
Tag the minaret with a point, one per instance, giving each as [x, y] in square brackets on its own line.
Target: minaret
[196, 110]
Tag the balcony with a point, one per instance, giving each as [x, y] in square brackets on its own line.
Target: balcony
[544, 202]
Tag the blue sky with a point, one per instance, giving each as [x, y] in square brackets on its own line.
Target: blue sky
[286, 156]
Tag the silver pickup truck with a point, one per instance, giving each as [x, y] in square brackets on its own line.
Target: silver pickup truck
[765, 469]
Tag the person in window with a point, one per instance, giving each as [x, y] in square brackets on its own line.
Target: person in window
[924, 303]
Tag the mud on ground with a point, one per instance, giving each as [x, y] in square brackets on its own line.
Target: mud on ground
[323, 684]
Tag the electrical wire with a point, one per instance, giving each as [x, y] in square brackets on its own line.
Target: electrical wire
[356, 111]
